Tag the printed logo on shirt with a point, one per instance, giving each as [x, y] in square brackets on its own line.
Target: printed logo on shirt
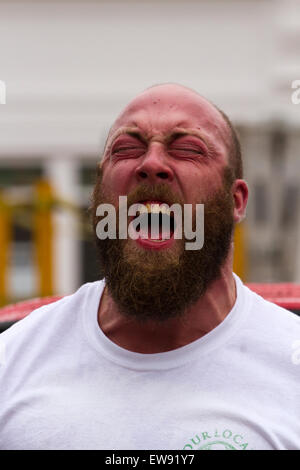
[217, 440]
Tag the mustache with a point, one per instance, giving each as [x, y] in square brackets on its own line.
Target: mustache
[158, 192]
[142, 192]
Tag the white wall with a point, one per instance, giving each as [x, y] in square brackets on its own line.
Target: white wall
[70, 66]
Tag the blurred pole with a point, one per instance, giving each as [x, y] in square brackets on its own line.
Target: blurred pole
[5, 245]
[261, 213]
[43, 236]
[63, 173]
[290, 216]
[240, 256]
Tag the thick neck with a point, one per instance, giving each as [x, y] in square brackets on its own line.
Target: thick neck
[149, 338]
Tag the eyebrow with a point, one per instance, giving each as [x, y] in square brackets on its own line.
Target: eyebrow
[143, 137]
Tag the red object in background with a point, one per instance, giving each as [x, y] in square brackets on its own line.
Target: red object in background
[15, 312]
[286, 295]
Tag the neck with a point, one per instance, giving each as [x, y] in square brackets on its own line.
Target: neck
[149, 338]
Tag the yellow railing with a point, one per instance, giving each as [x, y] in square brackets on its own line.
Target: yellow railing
[43, 238]
[35, 214]
[240, 264]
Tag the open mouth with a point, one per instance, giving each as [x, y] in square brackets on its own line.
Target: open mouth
[155, 224]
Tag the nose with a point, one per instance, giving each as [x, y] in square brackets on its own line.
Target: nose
[153, 167]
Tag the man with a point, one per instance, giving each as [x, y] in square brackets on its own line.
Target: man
[170, 350]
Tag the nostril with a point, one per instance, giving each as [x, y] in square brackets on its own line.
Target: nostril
[163, 175]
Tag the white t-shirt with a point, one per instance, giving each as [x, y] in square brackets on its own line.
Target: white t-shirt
[65, 385]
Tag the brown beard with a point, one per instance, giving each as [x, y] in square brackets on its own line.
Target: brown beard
[160, 285]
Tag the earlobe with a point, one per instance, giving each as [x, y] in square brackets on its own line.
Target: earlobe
[240, 193]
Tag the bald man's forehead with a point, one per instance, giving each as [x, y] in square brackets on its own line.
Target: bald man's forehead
[162, 107]
[172, 97]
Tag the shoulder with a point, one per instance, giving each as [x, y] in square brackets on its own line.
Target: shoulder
[46, 313]
[272, 333]
[45, 325]
[273, 317]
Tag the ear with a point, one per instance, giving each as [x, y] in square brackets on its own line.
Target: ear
[240, 193]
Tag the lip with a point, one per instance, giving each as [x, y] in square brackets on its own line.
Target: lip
[151, 245]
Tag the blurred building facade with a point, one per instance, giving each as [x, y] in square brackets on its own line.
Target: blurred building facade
[70, 67]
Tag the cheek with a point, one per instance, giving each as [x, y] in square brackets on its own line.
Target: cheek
[201, 183]
[116, 177]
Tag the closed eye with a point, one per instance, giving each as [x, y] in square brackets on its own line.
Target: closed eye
[128, 146]
[187, 146]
